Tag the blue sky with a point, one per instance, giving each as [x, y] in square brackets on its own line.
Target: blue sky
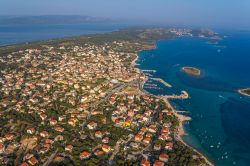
[181, 12]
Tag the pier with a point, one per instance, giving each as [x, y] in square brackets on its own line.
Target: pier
[162, 81]
[150, 71]
[184, 95]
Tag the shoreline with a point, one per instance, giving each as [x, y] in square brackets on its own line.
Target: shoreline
[182, 118]
[181, 130]
[191, 71]
[241, 91]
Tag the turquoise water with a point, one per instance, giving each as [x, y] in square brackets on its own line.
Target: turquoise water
[220, 126]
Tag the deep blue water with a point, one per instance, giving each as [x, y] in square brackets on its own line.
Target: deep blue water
[12, 34]
[220, 126]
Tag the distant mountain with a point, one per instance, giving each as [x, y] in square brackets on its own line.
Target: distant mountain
[49, 19]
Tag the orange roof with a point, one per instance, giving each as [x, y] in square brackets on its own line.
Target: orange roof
[158, 163]
[145, 163]
[147, 140]
[99, 152]
[24, 164]
[33, 161]
[138, 137]
[163, 157]
[84, 154]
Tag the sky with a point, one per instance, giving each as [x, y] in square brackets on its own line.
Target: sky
[220, 13]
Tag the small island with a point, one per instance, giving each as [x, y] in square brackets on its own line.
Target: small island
[192, 71]
[245, 92]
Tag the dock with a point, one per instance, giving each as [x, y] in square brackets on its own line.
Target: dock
[162, 81]
[184, 95]
[150, 71]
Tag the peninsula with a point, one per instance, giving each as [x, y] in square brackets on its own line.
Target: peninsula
[79, 101]
[192, 71]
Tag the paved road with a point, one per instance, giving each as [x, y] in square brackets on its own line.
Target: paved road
[117, 147]
[50, 159]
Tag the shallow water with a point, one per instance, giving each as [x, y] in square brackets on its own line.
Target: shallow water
[220, 126]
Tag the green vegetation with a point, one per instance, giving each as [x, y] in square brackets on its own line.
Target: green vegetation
[245, 92]
[192, 71]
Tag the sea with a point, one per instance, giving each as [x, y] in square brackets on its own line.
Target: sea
[220, 125]
[25, 33]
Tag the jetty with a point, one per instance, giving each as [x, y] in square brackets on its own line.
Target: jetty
[184, 95]
[162, 81]
[150, 71]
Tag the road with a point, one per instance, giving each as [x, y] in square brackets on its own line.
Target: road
[50, 159]
[117, 147]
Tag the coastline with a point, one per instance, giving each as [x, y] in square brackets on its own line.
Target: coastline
[191, 71]
[241, 91]
[182, 118]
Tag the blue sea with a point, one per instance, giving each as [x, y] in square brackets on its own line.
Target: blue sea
[220, 126]
[14, 34]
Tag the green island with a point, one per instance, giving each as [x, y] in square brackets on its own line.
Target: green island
[192, 71]
[245, 92]
[79, 101]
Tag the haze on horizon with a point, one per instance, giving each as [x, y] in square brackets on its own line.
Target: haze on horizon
[205, 13]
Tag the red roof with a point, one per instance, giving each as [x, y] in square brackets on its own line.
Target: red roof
[158, 163]
[24, 164]
[145, 163]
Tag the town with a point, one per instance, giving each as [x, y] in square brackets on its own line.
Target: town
[81, 102]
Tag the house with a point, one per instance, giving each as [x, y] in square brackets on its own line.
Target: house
[72, 121]
[43, 116]
[106, 148]
[149, 135]
[143, 129]
[61, 118]
[69, 148]
[169, 146]
[59, 129]
[53, 122]
[99, 152]
[31, 130]
[147, 140]
[92, 125]
[2, 139]
[167, 112]
[152, 128]
[165, 130]
[44, 150]
[157, 147]
[24, 164]
[28, 156]
[98, 134]
[163, 157]
[2, 148]
[49, 141]
[44, 134]
[58, 159]
[33, 161]
[84, 155]
[158, 163]
[105, 140]
[145, 162]
[138, 138]
[9, 136]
